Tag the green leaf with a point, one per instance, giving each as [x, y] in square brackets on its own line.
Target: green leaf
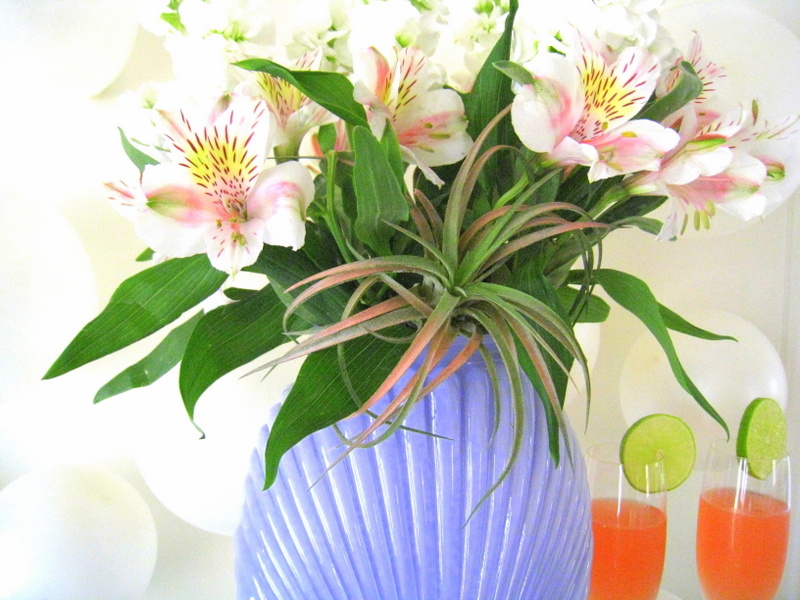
[141, 305]
[678, 323]
[515, 72]
[284, 267]
[322, 396]
[229, 337]
[148, 370]
[332, 91]
[622, 212]
[651, 226]
[378, 193]
[137, 157]
[146, 255]
[635, 296]
[326, 137]
[391, 149]
[688, 87]
[596, 309]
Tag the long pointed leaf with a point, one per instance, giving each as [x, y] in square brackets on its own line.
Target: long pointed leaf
[379, 196]
[284, 268]
[332, 336]
[677, 323]
[321, 397]
[330, 90]
[634, 295]
[141, 305]
[491, 91]
[153, 366]
[229, 337]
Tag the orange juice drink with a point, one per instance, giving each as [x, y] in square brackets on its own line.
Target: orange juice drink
[630, 539]
[741, 544]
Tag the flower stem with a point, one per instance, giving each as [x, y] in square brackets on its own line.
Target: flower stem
[616, 195]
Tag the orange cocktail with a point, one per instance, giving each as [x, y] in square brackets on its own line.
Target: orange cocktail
[741, 544]
[629, 543]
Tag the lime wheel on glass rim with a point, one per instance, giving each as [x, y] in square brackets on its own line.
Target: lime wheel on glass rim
[762, 436]
[658, 437]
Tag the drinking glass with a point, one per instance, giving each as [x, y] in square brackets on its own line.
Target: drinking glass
[629, 527]
[742, 527]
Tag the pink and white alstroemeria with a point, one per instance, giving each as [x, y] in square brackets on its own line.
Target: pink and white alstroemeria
[579, 111]
[217, 196]
[429, 120]
[718, 163]
[294, 112]
[715, 166]
[709, 73]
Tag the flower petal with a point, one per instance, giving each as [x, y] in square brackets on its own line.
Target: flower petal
[545, 112]
[232, 245]
[279, 202]
[172, 192]
[434, 128]
[616, 93]
[636, 146]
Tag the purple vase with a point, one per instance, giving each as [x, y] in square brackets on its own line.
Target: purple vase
[390, 522]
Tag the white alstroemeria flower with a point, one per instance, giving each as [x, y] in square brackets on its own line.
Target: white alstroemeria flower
[407, 93]
[737, 190]
[538, 24]
[217, 195]
[212, 36]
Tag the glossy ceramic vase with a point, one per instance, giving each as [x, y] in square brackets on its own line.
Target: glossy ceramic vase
[391, 522]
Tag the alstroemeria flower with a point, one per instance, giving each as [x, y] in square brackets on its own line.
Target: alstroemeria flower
[429, 120]
[714, 167]
[718, 162]
[217, 196]
[709, 73]
[704, 149]
[580, 111]
[294, 112]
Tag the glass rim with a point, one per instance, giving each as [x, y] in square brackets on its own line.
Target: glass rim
[596, 452]
[727, 447]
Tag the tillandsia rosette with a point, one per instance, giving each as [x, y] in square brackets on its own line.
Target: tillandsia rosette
[406, 173]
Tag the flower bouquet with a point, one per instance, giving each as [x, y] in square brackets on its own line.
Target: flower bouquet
[420, 183]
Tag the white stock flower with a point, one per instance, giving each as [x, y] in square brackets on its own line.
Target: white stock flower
[236, 20]
[466, 38]
[390, 24]
[628, 22]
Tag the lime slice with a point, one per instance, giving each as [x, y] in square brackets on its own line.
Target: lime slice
[653, 437]
[762, 436]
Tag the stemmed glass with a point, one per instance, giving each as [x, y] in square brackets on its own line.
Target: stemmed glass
[629, 527]
[742, 526]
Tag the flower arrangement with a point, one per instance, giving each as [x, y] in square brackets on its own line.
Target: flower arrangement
[405, 173]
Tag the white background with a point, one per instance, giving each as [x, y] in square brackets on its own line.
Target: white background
[63, 251]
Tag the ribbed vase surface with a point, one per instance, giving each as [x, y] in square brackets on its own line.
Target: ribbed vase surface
[391, 522]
